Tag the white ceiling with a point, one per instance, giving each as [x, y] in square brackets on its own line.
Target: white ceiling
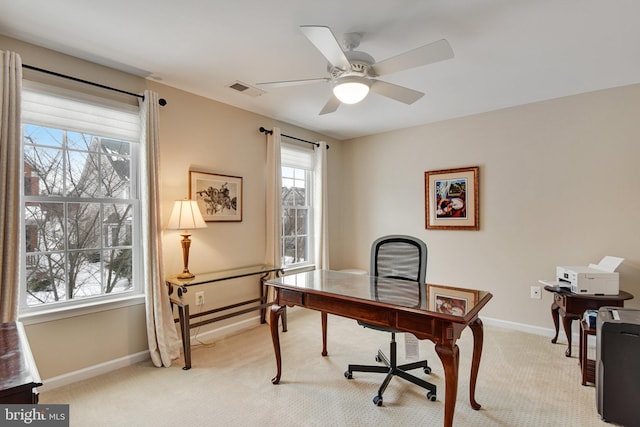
[507, 52]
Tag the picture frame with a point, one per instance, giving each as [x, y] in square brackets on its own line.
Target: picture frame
[219, 197]
[451, 300]
[452, 199]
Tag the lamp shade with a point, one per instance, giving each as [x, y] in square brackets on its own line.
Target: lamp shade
[186, 216]
[351, 89]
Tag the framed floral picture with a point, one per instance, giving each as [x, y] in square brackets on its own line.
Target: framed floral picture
[452, 199]
[219, 196]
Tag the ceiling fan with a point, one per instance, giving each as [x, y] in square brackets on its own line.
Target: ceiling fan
[353, 73]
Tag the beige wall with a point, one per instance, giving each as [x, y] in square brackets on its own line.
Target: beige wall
[558, 186]
[201, 134]
[195, 133]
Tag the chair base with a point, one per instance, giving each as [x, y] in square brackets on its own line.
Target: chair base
[391, 368]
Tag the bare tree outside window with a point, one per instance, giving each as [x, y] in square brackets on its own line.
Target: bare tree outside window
[78, 215]
[295, 216]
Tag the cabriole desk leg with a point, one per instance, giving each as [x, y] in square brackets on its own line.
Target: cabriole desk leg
[450, 358]
[274, 317]
[554, 316]
[566, 324]
[478, 339]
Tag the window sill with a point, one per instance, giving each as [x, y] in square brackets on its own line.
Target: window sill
[58, 313]
[298, 269]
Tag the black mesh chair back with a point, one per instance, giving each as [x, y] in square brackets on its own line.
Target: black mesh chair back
[398, 257]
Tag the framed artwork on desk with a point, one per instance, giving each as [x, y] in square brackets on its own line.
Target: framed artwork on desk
[452, 199]
[219, 196]
[451, 300]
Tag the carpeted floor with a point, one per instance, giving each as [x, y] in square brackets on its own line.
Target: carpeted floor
[524, 380]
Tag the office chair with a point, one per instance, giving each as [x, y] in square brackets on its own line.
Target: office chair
[398, 257]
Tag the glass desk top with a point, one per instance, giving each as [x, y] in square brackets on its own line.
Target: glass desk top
[439, 300]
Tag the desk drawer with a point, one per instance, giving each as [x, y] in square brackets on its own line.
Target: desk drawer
[289, 297]
[378, 316]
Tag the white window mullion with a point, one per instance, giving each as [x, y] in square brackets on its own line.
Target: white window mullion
[297, 172]
[50, 115]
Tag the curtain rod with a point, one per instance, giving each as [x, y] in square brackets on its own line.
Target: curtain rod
[161, 101]
[269, 132]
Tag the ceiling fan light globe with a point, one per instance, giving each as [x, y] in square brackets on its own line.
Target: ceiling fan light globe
[351, 90]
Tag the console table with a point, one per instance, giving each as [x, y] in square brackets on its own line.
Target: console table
[571, 306]
[184, 317]
[19, 375]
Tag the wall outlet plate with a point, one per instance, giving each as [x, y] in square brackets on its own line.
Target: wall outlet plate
[200, 298]
[535, 292]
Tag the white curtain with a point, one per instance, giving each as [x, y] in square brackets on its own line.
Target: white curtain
[274, 203]
[274, 199]
[10, 179]
[321, 217]
[164, 344]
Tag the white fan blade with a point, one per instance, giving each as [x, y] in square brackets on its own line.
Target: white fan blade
[293, 82]
[399, 93]
[324, 40]
[427, 54]
[332, 105]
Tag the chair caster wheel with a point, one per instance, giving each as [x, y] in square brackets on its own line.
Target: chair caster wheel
[431, 396]
[427, 370]
[348, 375]
[378, 359]
[377, 400]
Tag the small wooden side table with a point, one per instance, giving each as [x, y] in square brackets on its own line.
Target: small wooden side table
[570, 307]
[587, 366]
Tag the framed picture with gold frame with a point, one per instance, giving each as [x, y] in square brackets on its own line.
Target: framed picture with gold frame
[451, 300]
[452, 199]
[219, 196]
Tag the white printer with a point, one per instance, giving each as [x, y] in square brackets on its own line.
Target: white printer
[596, 279]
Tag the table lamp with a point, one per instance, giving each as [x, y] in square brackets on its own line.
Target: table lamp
[185, 216]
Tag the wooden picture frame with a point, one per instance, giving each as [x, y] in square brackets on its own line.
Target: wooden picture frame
[451, 300]
[219, 197]
[452, 199]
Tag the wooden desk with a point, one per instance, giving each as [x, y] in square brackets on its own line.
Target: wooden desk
[572, 306]
[217, 276]
[19, 375]
[385, 302]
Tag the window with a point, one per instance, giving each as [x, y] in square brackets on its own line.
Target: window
[297, 208]
[81, 212]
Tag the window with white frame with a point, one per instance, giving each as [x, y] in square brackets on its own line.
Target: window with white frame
[81, 209]
[297, 206]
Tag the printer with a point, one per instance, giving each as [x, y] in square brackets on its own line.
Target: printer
[595, 279]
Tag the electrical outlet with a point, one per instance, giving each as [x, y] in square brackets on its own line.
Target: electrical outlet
[200, 298]
[535, 292]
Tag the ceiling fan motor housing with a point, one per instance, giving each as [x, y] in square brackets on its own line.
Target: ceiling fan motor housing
[360, 66]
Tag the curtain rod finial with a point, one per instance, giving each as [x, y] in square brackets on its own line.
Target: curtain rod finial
[162, 102]
[263, 130]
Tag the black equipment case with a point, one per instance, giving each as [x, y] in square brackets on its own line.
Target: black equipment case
[618, 365]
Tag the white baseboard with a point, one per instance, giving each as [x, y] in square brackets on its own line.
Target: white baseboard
[112, 365]
[93, 371]
[234, 328]
[224, 331]
[522, 327]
